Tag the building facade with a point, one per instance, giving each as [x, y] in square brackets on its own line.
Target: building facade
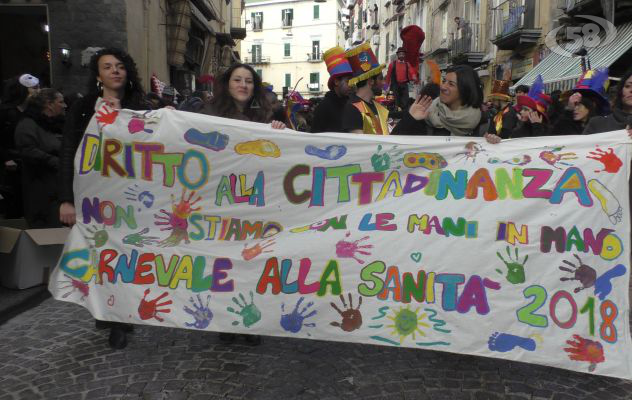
[175, 40]
[286, 41]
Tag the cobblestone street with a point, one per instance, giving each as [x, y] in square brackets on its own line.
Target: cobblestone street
[54, 352]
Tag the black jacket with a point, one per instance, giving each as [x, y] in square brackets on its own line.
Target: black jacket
[77, 120]
[510, 121]
[328, 114]
[38, 141]
[566, 125]
[613, 122]
[527, 129]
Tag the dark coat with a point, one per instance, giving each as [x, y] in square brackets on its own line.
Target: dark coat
[612, 122]
[328, 114]
[38, 141]
[510, 121]
[527, 129]
[566, 125]
[77, 120]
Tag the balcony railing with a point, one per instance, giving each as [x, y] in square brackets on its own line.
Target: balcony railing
[257, 60]
[315, 57]
[513, 24]
[468, 39]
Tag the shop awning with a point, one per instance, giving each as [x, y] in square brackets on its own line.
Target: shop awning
[561, 73]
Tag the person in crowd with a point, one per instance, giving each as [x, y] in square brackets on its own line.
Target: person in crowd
[154, 101]
[38, 141]
[203, 95]
[114, 81]
[588, 99]
[532, 109]
[362, 114]
[556, 109]
[169, 96]
[506, 118]
[522, 90]
[400, 74]
[15, 97]
[327, 115]
[456, 112]
[621, 116]
[278, 113]
[239, 94]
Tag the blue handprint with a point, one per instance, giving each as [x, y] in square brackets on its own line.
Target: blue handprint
[332, 152]
[603, 286]
[294, 321]
[202, 314]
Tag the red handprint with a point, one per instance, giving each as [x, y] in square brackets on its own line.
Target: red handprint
[149, 309]
[585, 350]
[250, 253]
[346, 249]
[610, 161]
[106, 116]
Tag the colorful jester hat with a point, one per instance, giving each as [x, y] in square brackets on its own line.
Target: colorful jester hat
[535, 99]
[594, 84]
[294, 104]
[363, 63]
[337, 65]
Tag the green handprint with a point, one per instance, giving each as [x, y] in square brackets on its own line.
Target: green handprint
[515, 268]
[249, 312]
[382, 162]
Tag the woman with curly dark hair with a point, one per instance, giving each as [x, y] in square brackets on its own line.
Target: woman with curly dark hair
[113, 80]
[239, 94]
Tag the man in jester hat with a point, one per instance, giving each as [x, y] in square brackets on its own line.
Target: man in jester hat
[362, 114]
[327, 115]
[506, 119]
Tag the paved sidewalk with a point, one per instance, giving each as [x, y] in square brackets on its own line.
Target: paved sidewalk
[53, 352]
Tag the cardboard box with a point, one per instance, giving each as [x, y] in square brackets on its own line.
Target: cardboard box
[27, 256]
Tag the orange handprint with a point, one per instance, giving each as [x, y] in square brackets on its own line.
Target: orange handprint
[250, 253]
[184, 208]
[585, 350]
[106, 115]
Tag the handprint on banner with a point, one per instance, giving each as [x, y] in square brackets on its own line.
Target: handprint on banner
[200, 312]
[472, 149]
[106, 115]
[585, 350]
[383, 161]
[585, 274]
[515, 268]
[150, 309]
[100, 236]
[252, 252]
[609, 203]
[176, 221]
[75, 286]
[603, 284]
[610, 161]
[346, 249]
[249, 312]
[138, 123]
[553, 157]
[139, 239]
[145, 197]
[295, 320]
[351, 317]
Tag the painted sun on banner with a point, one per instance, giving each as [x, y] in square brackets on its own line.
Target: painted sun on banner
[516, 250]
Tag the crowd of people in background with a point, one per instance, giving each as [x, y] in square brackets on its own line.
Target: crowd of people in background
[41, 129]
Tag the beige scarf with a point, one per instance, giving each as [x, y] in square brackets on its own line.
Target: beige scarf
[461, 122]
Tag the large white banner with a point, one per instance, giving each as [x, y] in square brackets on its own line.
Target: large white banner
[516, 250]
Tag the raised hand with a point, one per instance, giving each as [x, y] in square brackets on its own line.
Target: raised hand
[419, 108]
[535, 117]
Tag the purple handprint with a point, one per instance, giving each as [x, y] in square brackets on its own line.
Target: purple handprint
[294, 321]
[346, 249]
[201, 313]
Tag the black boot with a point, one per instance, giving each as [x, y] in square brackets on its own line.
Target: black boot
[118, 338]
